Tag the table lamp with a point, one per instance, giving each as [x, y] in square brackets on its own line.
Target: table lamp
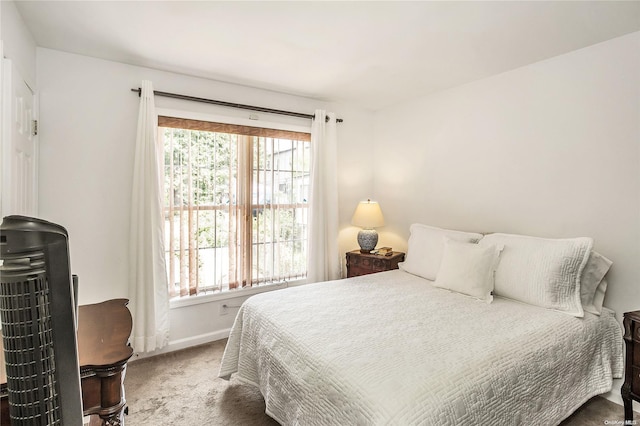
[367, 216]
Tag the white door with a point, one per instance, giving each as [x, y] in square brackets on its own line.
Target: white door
[19, 149]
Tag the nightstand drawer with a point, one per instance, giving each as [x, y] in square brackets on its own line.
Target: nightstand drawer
[631, 388]
[636, 344]
[380, 265]
[365, 263]
[356, 270]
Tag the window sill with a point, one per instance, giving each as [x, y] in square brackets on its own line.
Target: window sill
[181, 302]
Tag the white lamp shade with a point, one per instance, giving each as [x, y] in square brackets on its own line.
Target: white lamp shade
[368, 215]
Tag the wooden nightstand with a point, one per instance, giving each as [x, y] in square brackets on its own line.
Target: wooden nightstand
[631, 386]
[103, 352]
[365, 263]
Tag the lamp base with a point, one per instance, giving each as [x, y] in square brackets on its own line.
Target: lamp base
[367, 239]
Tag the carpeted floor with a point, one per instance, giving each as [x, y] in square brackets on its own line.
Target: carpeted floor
[182, 388]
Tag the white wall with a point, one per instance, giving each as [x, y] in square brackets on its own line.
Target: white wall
[551, 149]
[18, 43]
[87, 137]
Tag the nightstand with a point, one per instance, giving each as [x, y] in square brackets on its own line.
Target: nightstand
[366, 263]
[631, 386]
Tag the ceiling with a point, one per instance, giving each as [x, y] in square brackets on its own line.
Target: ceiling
[373, 54]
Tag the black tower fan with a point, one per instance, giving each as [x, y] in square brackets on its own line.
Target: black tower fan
[38, 313]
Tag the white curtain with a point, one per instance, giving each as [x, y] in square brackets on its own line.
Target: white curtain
[324, 262]
[148, 289]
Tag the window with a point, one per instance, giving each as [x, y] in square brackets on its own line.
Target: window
[235, 205]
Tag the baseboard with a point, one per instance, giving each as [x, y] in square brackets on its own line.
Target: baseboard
[187, 342]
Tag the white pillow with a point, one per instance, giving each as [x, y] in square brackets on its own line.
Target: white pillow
[598, 298]
[591, 283]
[426, 245]
[540, 271]
[468, 268]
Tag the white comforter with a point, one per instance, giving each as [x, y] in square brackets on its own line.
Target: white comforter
[390, 349]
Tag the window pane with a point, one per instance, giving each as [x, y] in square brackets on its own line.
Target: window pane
[235, 208]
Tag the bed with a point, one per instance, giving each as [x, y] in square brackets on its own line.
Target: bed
[395, 348]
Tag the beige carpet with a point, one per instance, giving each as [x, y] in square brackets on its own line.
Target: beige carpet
[182, 388]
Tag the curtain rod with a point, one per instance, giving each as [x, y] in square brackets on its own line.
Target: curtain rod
[233, 105]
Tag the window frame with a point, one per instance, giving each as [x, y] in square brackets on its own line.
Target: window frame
[178, 301]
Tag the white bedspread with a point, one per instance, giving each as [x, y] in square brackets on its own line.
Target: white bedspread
[390, 349]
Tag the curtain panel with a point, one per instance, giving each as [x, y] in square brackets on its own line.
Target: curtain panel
[324, 261]
[149, 301]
